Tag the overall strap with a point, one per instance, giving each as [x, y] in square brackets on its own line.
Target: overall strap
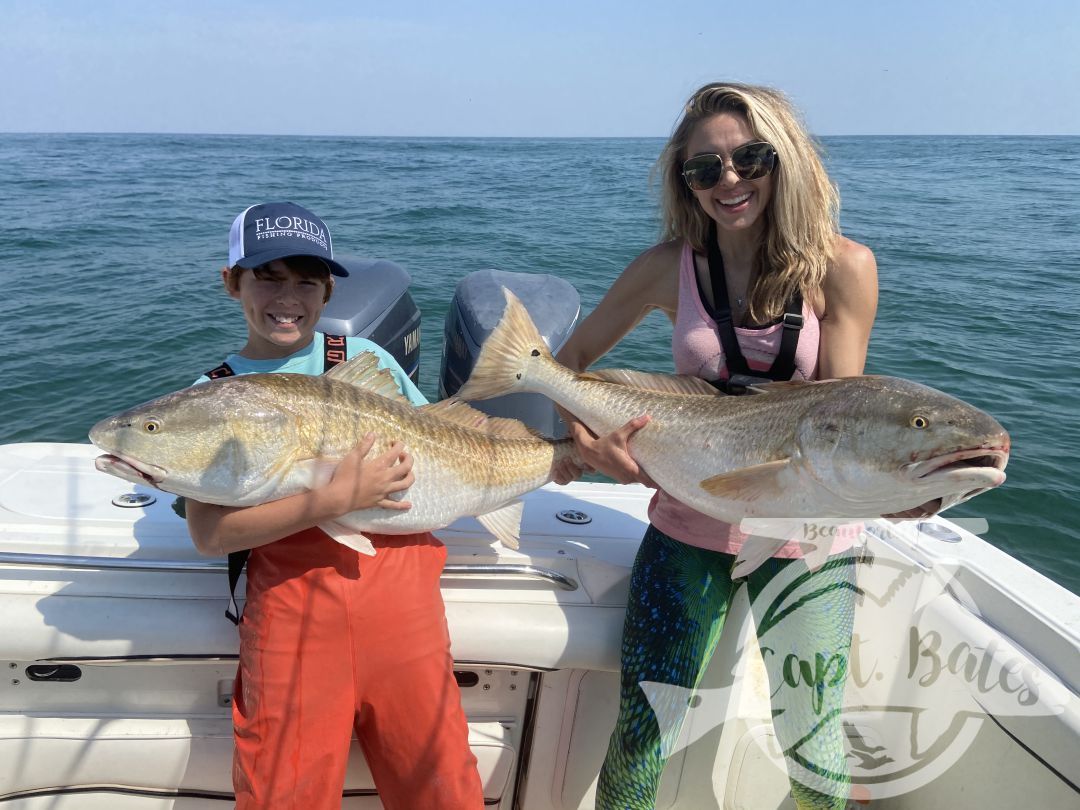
[721, 310]
[237, 561]
[334, 351]
[783, 366]
[224, 370]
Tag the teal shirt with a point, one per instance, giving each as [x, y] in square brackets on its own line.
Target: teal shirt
[309, 360]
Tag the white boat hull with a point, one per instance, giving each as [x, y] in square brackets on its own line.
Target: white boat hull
[119, 598]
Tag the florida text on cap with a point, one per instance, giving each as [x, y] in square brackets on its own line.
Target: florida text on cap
[276, 230]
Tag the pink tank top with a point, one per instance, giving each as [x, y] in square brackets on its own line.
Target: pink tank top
[697, 350]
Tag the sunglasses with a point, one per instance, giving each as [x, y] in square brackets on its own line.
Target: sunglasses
[750, 161]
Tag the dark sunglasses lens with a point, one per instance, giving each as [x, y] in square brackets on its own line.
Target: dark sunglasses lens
[753, 160]
[703, 172]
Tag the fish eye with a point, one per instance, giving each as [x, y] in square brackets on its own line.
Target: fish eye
[152, 425]
[918, 421]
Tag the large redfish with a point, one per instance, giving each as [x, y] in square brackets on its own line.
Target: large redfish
[848, 449]
[245, 440]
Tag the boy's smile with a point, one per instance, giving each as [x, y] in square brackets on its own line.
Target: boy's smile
[281, 307]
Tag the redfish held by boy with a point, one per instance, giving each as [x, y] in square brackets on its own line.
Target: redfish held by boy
[848, 449]
[254, 438]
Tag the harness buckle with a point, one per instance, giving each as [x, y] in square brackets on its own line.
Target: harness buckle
[738, 384]
[793, 320]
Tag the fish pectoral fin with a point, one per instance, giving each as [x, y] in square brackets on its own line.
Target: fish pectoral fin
[749, 483]
[349, 537]
[505, 523]
[314, 473]
[755, 550]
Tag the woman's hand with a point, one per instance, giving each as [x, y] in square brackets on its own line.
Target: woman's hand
[360, 482]
[610, 453]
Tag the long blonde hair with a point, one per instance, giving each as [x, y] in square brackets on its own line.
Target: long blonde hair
[802, 217]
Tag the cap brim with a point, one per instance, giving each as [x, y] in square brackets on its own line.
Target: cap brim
[271, 255]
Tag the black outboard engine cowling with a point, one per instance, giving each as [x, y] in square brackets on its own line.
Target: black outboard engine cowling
[373, 302]
[478, 304]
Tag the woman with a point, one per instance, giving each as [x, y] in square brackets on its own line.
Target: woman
[750, 219]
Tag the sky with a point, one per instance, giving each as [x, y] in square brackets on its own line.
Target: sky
[556, 68]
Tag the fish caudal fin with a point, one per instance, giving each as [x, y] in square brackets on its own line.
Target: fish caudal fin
[349, 537]
[506, 354]
[505, 523]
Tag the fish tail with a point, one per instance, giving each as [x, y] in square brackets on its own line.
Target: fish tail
[512, 350]
[562, 449]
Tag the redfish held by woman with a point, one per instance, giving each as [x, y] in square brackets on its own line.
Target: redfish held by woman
[848, 449]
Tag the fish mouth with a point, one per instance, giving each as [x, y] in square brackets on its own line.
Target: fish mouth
[966, 473]
[991, 459]
[129, 469]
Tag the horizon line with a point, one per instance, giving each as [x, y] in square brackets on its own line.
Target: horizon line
[517, 137]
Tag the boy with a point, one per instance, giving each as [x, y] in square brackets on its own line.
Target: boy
[331, 641]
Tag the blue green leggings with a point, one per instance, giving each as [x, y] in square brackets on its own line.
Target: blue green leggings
[679, 598]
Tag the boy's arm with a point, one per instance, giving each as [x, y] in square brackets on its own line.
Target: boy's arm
[358, 483]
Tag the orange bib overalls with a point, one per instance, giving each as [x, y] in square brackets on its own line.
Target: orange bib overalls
[333, 642]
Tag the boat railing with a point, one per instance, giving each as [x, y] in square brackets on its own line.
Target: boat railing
[485, 571]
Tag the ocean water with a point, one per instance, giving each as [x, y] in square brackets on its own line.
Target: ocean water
[112, 245]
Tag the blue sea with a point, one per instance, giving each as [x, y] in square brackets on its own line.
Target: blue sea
[112, 245]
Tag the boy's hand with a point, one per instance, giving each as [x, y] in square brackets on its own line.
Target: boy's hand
[364, 483]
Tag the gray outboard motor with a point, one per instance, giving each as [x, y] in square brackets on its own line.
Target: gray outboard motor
[373, 302]
[478, 304]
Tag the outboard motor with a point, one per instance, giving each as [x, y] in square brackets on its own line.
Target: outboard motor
[478, 304]
[373, 302]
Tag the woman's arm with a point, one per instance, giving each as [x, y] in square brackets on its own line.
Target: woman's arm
[649, 282]
[851, 294]
[358, 483]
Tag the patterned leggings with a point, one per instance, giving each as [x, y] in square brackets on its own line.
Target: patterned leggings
[679, 598]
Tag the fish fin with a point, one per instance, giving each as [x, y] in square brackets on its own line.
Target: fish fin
[349, 537]
[782, 385]
[505, 523]
[314, 473]
[363, 371]
[664, 383]
[755, 551]
[461, 413]
[506, 354]
[749, 483]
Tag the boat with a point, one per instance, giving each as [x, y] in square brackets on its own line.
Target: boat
[118, 662]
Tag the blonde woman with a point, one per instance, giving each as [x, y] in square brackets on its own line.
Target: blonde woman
[758, 283]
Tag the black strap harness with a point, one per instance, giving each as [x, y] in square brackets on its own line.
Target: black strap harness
[334, 353]
[740, 376]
